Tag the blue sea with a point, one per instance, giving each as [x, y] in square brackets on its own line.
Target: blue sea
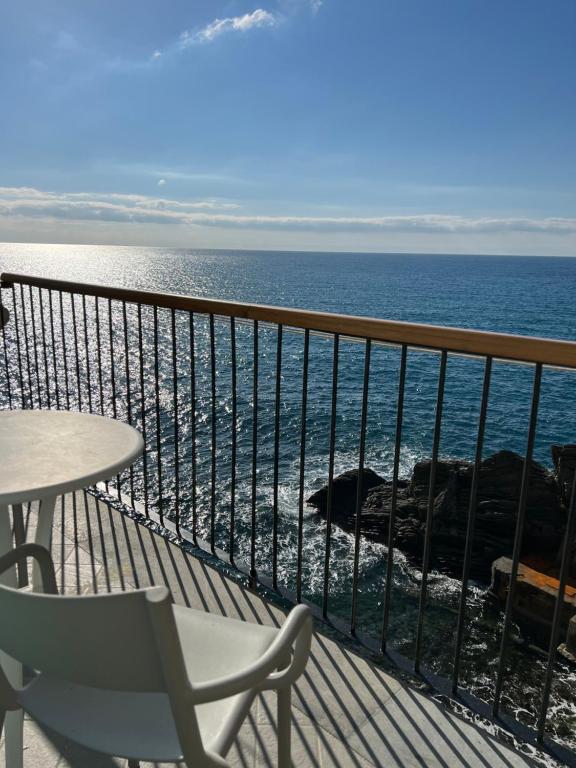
[525, 295]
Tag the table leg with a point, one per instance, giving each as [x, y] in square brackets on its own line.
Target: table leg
[43, 535]
[20, 538]
[18, 523]
[8, 577]
[14, 722]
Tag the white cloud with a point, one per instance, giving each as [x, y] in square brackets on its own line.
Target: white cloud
[256, 19]
[161, 182]
[25, 202]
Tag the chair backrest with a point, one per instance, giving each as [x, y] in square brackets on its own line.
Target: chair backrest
[103, 641]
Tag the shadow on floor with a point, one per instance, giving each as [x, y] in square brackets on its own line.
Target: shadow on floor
[347, 711]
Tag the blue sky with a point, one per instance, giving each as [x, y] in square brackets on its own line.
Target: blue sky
[377, 125]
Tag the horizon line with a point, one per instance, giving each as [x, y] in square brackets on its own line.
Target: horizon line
[291, 250]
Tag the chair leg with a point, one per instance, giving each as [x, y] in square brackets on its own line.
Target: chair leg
[14, 720]
[284, 727]
[14, 739]
[133, 764]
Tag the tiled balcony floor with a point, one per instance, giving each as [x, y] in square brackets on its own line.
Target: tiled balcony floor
[347, 712]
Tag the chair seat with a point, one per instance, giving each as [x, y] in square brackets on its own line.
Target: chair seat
[140, 726]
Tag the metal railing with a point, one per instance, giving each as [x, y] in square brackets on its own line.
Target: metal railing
[242, 410]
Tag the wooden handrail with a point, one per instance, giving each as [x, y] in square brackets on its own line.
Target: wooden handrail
[529, 349]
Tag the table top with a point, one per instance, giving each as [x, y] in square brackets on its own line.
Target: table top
[48, 453]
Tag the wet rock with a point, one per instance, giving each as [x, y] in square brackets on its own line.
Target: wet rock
[445, 471]
[344, 492]
[564, 458]
[498, 493]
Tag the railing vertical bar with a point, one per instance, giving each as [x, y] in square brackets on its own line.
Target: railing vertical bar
[128, 389]
[329, 495]
[44, 349]
[253, 572]
[471, 524]
[64, 350]
[176, 416]
[99, 358]
[143, 410]
[558, 606]
[26, 345]
[35, 348]
[359, 489]
[6, 365]
[518, 538]
[87, 354]
[158, 420]
[429, 511]
[112, 361]
[234, 438]
[213, 435]
[99, 354]
[276, 457]
[18, 348]
[113, 381]
[394, 497]
[303, 419]
[76, 350]
[53, 344]
[193, 423]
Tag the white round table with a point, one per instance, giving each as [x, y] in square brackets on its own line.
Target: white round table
[44, 454]
[47, 453]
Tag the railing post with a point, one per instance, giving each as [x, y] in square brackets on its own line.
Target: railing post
[4, 318]
[518, 539]
[253, 572]
[394, 499]
[303, 416]
[429, 512]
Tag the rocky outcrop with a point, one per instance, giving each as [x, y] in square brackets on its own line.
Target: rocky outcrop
[344, 493]
[564, 458]
[498, 495]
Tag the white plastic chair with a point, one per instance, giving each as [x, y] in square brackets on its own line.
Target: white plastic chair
[132, 675]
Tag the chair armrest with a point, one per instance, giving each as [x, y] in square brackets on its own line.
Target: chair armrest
[19, 555]
[296, 633]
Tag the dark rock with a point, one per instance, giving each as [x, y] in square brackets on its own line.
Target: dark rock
[344, 491]
[564, 458]
[498, 493]
[445, 470]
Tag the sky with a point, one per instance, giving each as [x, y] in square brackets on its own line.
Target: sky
[443, 126]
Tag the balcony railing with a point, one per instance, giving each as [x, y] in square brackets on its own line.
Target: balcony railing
[247, 409]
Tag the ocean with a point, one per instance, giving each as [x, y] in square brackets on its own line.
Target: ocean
[526, 295]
